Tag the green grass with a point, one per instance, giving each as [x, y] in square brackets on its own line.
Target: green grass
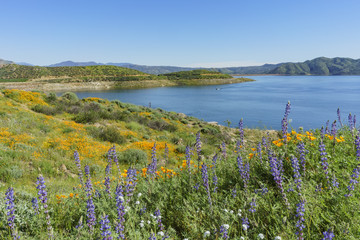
[14, 80]
[186, 212]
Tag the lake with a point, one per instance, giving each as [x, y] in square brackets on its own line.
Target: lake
[314, 100]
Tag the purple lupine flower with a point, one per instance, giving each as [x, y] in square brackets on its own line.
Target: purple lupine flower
[142, 210]
[284, 122]
[350, 120]
[328, 235]
[157, 214]
[107, 179]
[357, 147]
[300, 215]
[80, 224]
[264, 141]
[35, 205]
[259, 152]
[353, 181]
[188, 158]
[335, 183]
[215, 182]
[112, 156]
[244, 171]
[196, 186]
[327, 130]
[354, 121]
[322, 133]
[223, 149]
[105, 228]
[233, 192]
[10, 205]
[241, 131]
[153, 165]
[42, 193]
[77, 162]
[215, 178]
[120, 211]
[252, 205]
[90, 214]
[245, 221]
[276, 171]
[324, 159]
[152, 236]
[297, 175]
[318, 188]
[224, 231]
[130, 182]
[302, 153]
[333, 129]
[88, 185]
[205, 178]
[339, 117]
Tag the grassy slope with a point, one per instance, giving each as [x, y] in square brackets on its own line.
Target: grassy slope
[33, 143]
[102, 77]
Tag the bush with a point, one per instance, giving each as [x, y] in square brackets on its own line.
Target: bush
[51, 97]
[87, 117]
[133, 157]
[47, 110]
[108, 133]
[70, 96]
[161, 125]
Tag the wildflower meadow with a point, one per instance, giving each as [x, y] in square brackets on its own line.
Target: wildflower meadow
[288, 184]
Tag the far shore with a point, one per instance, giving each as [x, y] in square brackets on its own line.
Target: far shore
[108, 85]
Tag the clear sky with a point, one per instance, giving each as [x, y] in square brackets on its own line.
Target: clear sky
[179, 32]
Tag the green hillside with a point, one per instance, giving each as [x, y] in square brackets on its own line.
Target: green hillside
[320, 66]
[69, 165]
[196, 74]
[86, 73]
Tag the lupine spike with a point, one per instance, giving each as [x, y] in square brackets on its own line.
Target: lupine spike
[276, 170]
[300, 222]
[105, 228]
[107, 179]
[10, 206]
[205, 178]
[350, 120]
[339, 117]
[153, 165]
[120, 211]
[78, 164]
[43, 199]
[324, 160]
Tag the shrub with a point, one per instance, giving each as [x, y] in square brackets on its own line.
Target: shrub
[70, 96]
[47, 110]
[133, 157]
[51, 97]
[161, 125]
[87, 117]
[108, 133]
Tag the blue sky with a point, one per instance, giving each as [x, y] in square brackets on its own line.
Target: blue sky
[180, 33]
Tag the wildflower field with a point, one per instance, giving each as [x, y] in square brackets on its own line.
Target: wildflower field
[94, 169]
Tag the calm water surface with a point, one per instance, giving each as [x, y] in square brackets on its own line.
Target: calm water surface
[314, 100]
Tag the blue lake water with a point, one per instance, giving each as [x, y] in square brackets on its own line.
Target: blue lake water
[314, 100]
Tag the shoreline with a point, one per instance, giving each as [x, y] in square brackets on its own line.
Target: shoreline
[109, 85]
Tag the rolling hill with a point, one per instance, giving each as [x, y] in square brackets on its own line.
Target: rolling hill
[320, 66]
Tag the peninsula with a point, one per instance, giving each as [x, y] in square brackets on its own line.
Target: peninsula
[102, 77]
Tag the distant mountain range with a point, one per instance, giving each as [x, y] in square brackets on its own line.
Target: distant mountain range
[4, 62]
[170, 69]
[317, 66]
